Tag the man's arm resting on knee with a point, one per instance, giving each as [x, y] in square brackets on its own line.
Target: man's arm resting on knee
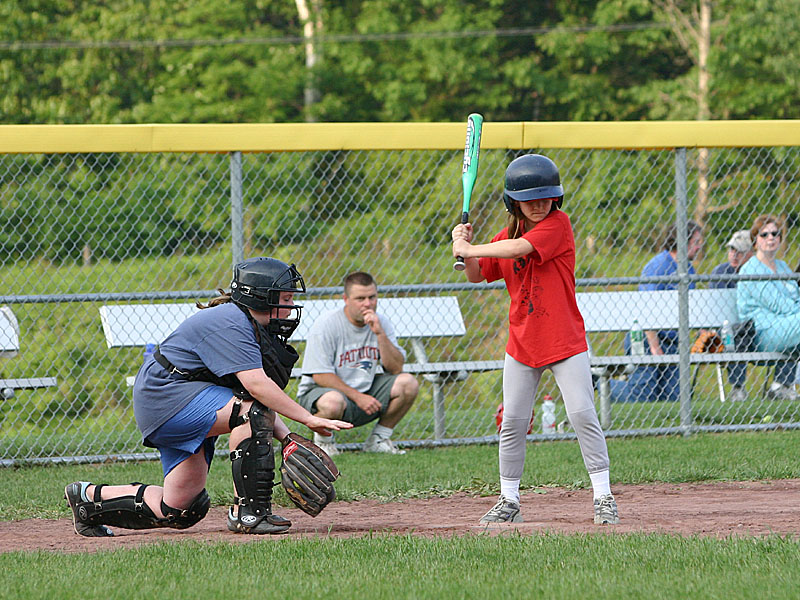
[364, 401]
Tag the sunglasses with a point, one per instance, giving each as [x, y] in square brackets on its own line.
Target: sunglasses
[765, 234]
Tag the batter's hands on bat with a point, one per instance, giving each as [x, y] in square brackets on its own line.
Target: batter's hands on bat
[462, 236]
[462, 231]
[367, 403]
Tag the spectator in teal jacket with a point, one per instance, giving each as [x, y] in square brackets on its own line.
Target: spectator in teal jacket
[773, 305]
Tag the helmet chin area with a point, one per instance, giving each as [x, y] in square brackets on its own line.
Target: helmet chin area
[285, 326]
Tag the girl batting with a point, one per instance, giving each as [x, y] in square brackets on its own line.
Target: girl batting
[535, 255]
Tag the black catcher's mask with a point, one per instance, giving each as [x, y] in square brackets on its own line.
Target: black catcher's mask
[258, 283]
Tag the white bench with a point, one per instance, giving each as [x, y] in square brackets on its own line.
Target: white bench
[614, 311]
[9, 348]
[415, 319]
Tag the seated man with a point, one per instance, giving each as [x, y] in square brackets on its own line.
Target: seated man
[652, 383]
[353, 368]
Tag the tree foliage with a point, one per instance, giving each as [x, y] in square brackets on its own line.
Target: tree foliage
[568, 60]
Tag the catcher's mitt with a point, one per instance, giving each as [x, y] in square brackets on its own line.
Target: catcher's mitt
[307, 474]
[707, 341]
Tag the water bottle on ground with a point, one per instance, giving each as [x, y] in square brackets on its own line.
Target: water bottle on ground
[637, 339]
[728, 342]
[548, 415]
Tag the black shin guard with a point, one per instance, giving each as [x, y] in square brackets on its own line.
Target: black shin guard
[132, 512]
[253, 469]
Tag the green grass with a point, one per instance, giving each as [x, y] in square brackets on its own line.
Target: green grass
[380, 566]
[470, 566]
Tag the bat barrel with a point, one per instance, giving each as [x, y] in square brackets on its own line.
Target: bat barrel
[469, 170]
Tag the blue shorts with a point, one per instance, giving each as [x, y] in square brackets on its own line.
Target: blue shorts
[186, 433]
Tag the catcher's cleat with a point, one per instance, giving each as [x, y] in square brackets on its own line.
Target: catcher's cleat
[505, 511]
[605, 510]
[73, 494]
[270, 524]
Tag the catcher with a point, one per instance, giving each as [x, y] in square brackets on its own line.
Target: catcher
[223, 370]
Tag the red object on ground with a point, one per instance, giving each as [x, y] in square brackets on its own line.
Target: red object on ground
[498, 418]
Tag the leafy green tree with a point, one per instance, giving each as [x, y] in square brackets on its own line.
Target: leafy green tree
[757, 70]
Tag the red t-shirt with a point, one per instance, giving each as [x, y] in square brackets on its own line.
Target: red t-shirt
[545, 324]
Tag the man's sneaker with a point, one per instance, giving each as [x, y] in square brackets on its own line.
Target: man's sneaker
[605, 510]
[778, 391]
[505, 511]
[270, 524]
[329, 449]
[738, 394]
[382, 445]
[74, 495]
[326, 442]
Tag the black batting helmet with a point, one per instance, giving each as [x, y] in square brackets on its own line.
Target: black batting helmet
[532, 177]
[258, 283]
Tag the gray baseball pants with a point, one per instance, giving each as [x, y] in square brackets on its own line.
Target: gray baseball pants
[520, 384]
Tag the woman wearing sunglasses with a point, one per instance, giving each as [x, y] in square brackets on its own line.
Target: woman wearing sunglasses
[773, 305]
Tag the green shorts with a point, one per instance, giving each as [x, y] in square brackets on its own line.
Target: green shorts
[381, 390]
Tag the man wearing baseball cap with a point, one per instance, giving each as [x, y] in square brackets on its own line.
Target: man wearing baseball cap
[740, 249]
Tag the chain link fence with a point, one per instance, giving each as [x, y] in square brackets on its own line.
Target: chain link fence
[83, 230]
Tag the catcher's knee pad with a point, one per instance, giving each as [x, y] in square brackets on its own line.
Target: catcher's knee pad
[132, 512]
[183, 518]
[253, 468]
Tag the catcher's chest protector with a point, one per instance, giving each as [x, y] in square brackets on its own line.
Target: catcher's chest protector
[277, 360]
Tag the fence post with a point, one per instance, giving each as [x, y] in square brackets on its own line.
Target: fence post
[438, 382]
[237, 211]
[681, 221]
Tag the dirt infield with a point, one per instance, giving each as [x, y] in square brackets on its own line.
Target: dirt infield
[712, 509]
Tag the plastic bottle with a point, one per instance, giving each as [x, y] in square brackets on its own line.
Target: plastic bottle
[548, 415]
[637, 339]
[148, 351]
[728, 342]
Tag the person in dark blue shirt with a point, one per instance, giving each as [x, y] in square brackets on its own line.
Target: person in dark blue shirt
[650, 383]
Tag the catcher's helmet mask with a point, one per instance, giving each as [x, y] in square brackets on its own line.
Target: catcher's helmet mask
[258, 283]
[532, 177]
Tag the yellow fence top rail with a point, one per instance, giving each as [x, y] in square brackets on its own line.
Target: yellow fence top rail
[289, 137]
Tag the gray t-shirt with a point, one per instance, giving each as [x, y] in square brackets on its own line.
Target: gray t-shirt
[337, 346]
[219, 338]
